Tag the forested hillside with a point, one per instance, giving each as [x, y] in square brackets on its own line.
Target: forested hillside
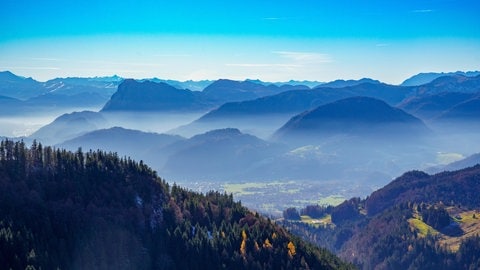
[418, 221]
[96, 210]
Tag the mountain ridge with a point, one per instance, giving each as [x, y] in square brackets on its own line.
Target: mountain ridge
[355, 115]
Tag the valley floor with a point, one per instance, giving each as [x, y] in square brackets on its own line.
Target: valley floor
[272, 197]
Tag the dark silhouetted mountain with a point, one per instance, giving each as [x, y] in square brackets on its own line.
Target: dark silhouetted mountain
[229, 91]
[357, 116]
[424, 78]
[126, 142]
[219, 154]
[347, 83]
[150, 96]
[94, 210]
[69, 126]
[431, 106]
[18, 87]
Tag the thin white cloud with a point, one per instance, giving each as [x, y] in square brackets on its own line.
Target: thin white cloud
[311, 57]
[140, 64]
[172, 55]
[422, 10]
[261, 65]
[46, 59]
[109, 71]
[31, 68]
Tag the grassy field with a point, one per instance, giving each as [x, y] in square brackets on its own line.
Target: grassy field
[469, 224]
[272, 197]
[317, 222]
[332, 200]
[421, 227]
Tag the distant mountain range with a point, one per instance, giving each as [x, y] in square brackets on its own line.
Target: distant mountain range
[424, 78]
[274, 108]
[347, 83]
[150, 96]
[298, 101]
[19, 87]
[95, 92]
[32, 96]
[231, 91]
[26, 88]
[190, 84]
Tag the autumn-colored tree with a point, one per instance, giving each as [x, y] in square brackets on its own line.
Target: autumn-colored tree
[267, 244]
[291, 249]
[243, 245]
[257, 247]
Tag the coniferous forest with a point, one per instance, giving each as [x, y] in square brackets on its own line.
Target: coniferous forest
[96, 210]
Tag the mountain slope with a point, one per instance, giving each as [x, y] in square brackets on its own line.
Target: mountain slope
[467, 111]
[96, 211]
[431, 106]
[126, 142]
[68, 126]
[358, 116]
[418, 221]
[218, 154]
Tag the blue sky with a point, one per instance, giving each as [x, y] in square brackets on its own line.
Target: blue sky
[268, 40]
